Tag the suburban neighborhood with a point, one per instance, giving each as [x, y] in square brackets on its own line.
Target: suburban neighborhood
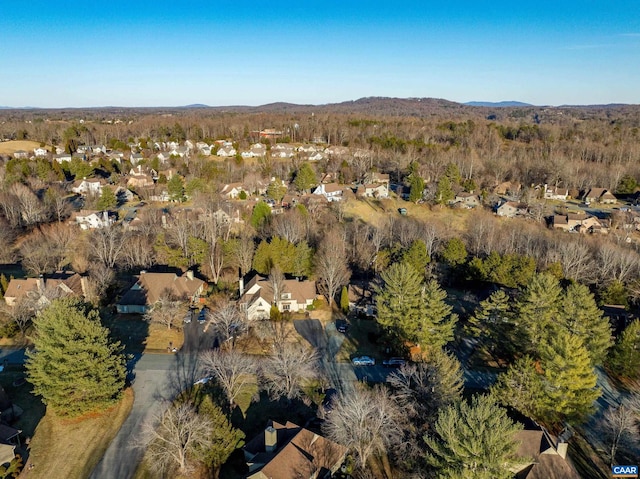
[216, 298]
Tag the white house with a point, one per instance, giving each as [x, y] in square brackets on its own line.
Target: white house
[258, 296]
[62, 157]
[20, 154]
[556, 193]
[374, 190]
[331, 191]
[232, 190]
[90, 186]
[40, 152]
[93, 219]
[226, 151]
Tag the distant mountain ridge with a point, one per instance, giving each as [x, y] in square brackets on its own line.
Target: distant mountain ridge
[498, 104]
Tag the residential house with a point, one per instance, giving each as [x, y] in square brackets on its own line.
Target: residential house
[140, 177]
[285, 451]
[181, 151]
[40, 152]
[258, 296]
[59, 150]
[599, 195]
[232, 190]
[62, 157]
[315, 156]
[507, 188]
[91, 186]
[60, 283]
[309, 148]
[98, 149]
[331, 191]
[540, 456]
[151, 287]
[283, 150]
[226, 151]
[337, 151]
[375, 190]
[164, 156]
[19, 288]
[20, 154]
[466, 200]
[88, 219]
[375, 177]
[579, 222]
[257, 150]
[511, 209]
[135, 158]
[556, 193]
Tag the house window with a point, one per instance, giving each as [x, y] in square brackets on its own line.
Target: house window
[286, 295]
[286, 307]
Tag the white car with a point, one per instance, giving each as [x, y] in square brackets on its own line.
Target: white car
[363, 361]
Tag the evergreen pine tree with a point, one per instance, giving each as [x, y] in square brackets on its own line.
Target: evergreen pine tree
[581, 316]
[624, 359]
[569, 379]
[224, 438]
[492, 322]
[473, 440]
[538, 310]
[74, 366]
[344, 300]
[107, 200]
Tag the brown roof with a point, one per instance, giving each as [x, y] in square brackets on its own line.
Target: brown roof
[540, 459]
[301, 291]
[72, 281]
[306, 455]
[18, 288]
[549, 466]
[150, 287]
[333, 187]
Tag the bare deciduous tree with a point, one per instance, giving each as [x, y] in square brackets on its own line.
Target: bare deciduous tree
[243, 251]
[232, 370]
[620, 424]
[107, 245]
[367, 421]
[167, 311]
[171, 437]
[284, 373]
[331, 264]
[290, 226]
[228, 321]
[574, 256]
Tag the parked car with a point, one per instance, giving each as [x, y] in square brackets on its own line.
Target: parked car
[342, 326]
[202, 316]
[187, 317]
[363, 361]
[393, 362]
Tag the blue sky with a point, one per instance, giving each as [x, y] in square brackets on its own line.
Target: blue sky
[143, 53]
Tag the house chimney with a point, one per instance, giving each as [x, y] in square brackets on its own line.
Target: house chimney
[241, 285]
[562, 449]
[270, 439]
[190, 274]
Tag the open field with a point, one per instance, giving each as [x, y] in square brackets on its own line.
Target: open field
[10, 147]
[376, 212]
[71, 448]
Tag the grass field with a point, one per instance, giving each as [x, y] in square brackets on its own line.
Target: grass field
[72, 448]
[376, 212]
[10, 147]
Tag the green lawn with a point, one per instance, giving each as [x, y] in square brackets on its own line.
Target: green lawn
[362, 338]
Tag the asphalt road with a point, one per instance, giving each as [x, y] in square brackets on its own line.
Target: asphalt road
[158, 378]
[153, 388]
